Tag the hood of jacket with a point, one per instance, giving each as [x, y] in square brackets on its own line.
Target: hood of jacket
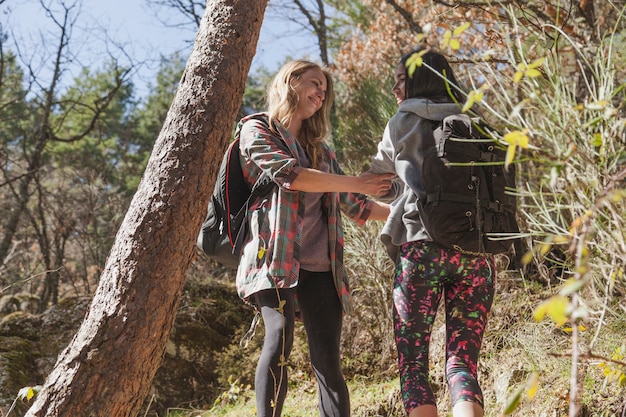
[428, 109]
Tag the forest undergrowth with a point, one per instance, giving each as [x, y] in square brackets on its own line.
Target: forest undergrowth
[520, 355]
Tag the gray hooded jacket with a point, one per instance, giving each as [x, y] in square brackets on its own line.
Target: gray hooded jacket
[397, 153]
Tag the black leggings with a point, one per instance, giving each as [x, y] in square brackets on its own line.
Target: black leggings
[321, 313]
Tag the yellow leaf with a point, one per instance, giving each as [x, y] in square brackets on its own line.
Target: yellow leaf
[414, 61]
[528, 70]
[510, 155]
[571, 286]
[282, 361]
[531, 72]
[461, 29]
[597, 105]
[555, 308]
[537, 62]
[27, 393]
[518, 138]
[474, 96]
[597, 140]
[533, 385]
[560, 239]
[540, 312]
[544, 248]
[527, 258]
[455, 44]
[281, 306]
[513, 402]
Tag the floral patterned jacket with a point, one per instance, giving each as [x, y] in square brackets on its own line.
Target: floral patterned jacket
[271, 253]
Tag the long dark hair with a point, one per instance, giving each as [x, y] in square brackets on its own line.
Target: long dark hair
[425, 83]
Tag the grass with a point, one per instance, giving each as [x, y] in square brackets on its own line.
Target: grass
[515, 348]
[368, 398]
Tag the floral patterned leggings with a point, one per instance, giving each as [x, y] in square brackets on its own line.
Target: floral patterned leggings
[425, 272]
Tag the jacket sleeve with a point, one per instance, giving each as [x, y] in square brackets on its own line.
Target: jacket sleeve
[265, 151]
[385, 162]
[399, 150]
[356, 206]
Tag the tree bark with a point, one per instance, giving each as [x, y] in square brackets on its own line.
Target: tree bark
[108, 367]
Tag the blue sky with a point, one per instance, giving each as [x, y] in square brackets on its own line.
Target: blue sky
[135, 28]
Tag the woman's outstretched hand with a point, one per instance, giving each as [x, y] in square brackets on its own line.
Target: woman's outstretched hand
[375, 184]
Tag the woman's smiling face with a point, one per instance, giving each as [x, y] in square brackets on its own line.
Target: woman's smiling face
[311, 90]
[399, 88]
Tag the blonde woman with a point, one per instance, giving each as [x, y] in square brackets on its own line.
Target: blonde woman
[292, 263]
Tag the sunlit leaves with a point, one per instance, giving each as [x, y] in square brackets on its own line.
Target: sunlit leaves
[533, 385]
[27, 393]
[528, 70]
[451, 38]
[474, 96]
[597, 105]
[558, 309]
[530, 389]
[24, 394]
[235, 392]
[515, 139]
[579, 221]
[571, 286]
[580, 327]
[281, 306]
[282, 361]
[513, 402]
[614, 369]
[414, 61]
[555, 308]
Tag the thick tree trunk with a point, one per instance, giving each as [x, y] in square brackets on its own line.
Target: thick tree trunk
[109, 365]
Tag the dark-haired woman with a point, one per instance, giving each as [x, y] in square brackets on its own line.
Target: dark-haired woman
[425, 271]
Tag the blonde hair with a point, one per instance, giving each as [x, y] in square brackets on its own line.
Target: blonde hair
[282, 101]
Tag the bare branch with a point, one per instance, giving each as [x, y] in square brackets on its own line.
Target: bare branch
[406, 15]
[190, 10]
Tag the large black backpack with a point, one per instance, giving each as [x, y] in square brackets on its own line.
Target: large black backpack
[226, 224]
[469, 203]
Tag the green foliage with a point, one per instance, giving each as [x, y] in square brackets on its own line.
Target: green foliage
[362, 114]
[559, 104]
[89, 126]
[560, 108]
[254, 95]
[344, 17]
[235, 393]
[371, 272]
